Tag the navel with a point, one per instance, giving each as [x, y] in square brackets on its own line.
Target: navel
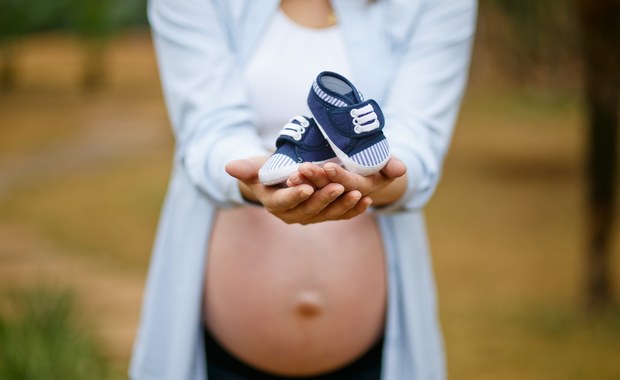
[309, 304]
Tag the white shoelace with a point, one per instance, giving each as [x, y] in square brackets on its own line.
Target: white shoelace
[365, 119]
[295, 130]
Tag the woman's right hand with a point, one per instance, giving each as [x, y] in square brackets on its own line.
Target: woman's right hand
[383, 187]
[301, 203]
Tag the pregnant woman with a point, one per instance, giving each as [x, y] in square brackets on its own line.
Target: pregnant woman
[327, 276]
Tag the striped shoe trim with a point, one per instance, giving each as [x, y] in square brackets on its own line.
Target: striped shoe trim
[278, 161]
[329, 99]
[374, 155]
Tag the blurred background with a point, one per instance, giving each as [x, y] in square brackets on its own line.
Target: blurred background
[522, 228]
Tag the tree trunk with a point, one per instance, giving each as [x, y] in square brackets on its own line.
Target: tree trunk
[600, 22]
[8, 66]
[94, 66]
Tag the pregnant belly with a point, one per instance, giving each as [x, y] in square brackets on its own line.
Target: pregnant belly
[294, 300]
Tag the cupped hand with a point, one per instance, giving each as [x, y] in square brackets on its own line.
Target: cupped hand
[300, 203]
[383, 187]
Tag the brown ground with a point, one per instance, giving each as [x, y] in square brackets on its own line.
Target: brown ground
[82, 177]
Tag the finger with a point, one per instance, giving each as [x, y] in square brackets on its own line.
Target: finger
[284, 199]
[311, 174]
[340, 207]
[314, 174]
[297, 179]
[350, 181]
[359, 208]
[321, 199]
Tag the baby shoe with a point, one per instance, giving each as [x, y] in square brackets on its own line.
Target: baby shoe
[299, 141]
[353, 127]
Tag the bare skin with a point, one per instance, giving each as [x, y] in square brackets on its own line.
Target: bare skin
[294, 299]
[319, 194]
[298, 287]
[308, 13]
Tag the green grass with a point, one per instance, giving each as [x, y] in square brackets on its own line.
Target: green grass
[40, 339]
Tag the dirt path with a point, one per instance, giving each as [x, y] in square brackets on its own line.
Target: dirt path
[105, 129]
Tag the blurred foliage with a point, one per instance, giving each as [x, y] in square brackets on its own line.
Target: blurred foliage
[92, 18]
[533, 41]
[93, 21]
[98, 19]
[18, 17]
[42, 341]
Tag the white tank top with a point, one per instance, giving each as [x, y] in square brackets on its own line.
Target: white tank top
[284, 65]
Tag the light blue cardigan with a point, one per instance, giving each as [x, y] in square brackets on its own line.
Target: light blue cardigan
[412, 56]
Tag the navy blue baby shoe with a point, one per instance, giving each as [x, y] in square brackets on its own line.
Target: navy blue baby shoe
[299, 141]
[353, 127]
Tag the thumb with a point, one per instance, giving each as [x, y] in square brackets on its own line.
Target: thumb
[395, 168]
[244, 170]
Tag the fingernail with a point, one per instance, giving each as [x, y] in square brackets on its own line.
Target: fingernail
[336, 192]
[307, 173]
[296, 179]
[330, 171]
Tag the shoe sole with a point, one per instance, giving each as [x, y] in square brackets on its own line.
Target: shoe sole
[348, 163]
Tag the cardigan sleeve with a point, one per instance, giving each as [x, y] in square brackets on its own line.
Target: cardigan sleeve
[425, 94]
[205, 95]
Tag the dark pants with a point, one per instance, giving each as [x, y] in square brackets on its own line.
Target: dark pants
[224, 366]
